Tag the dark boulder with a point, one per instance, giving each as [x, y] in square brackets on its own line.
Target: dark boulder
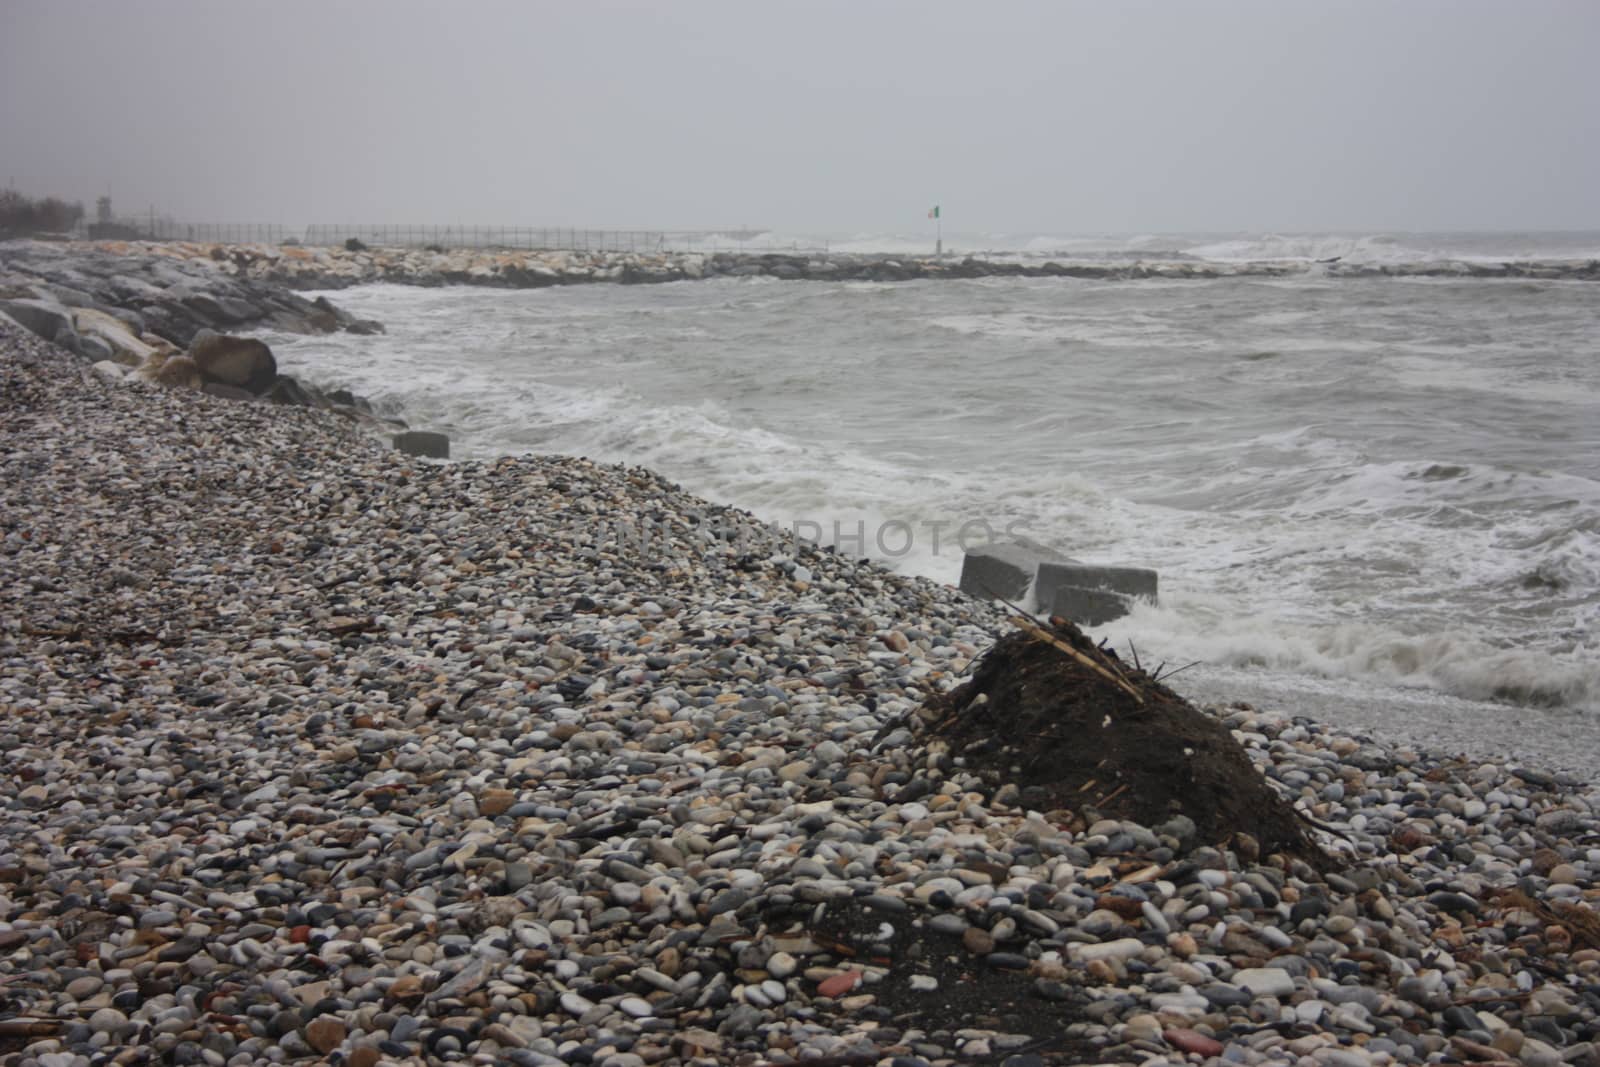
[243, 362]
[67, 338]
[70, 297]
[38, 316]
[94, 348]
[340, 316]
[346, 399]
[291, 392]
[222, 310]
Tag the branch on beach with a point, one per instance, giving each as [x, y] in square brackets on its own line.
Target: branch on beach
[1582, 923]
[1031, 626]
[1046, 720]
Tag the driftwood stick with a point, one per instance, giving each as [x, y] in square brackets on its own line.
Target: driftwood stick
[1034, 630]
[1118, 791]
[1582, 923]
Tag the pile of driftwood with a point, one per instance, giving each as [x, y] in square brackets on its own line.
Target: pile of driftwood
[1082, 733]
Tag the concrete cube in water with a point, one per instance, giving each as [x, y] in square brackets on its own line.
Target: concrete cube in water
[1090, 595]
[424, 443]
[1004, 568]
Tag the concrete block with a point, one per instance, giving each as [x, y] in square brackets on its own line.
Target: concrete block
[1005, 568]
[1090, 595]
[423, 443]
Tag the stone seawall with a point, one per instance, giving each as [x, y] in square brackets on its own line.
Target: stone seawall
[166, 314]
[296, 267]
[306, 268]
[157, 291]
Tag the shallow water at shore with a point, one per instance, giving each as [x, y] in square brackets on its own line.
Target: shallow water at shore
[1373, 500]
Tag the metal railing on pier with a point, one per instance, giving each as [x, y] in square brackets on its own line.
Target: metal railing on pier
[158, 228]
[509, 238]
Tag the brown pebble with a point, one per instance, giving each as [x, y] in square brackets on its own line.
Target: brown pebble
[839, 984]
[406, 987]
[364, 1056]
[496, 802]
[977, 941]
[324, 1033]
[1126, 907]
[1192, 1041]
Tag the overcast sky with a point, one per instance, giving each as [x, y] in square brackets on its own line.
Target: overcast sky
[1059, 117]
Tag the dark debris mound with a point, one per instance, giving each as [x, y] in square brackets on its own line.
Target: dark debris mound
[1074, 728]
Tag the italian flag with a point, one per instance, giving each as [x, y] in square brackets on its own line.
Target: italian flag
[933, 212]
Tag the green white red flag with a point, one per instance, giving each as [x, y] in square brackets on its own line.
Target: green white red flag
[933, 212]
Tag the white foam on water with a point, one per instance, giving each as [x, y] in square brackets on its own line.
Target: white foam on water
[1361, 248]
[1458, 661]
[1297, 459]
[1270, 248]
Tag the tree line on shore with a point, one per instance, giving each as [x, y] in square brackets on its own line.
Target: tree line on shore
[22, 216]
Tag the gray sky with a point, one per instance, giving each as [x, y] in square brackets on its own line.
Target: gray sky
[1058, 117]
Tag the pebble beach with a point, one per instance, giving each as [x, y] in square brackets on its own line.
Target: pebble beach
[319, 752]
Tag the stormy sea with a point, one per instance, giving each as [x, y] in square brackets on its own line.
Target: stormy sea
[1374, 500]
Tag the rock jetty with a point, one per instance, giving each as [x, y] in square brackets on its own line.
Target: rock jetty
[167, 315]
[172, 291]
[297, 267]
[318, 753]
[333, 268]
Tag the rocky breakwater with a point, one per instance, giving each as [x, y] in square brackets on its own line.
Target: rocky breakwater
[171, 291]
[320, 754]
[332, 268]
[152, 313]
